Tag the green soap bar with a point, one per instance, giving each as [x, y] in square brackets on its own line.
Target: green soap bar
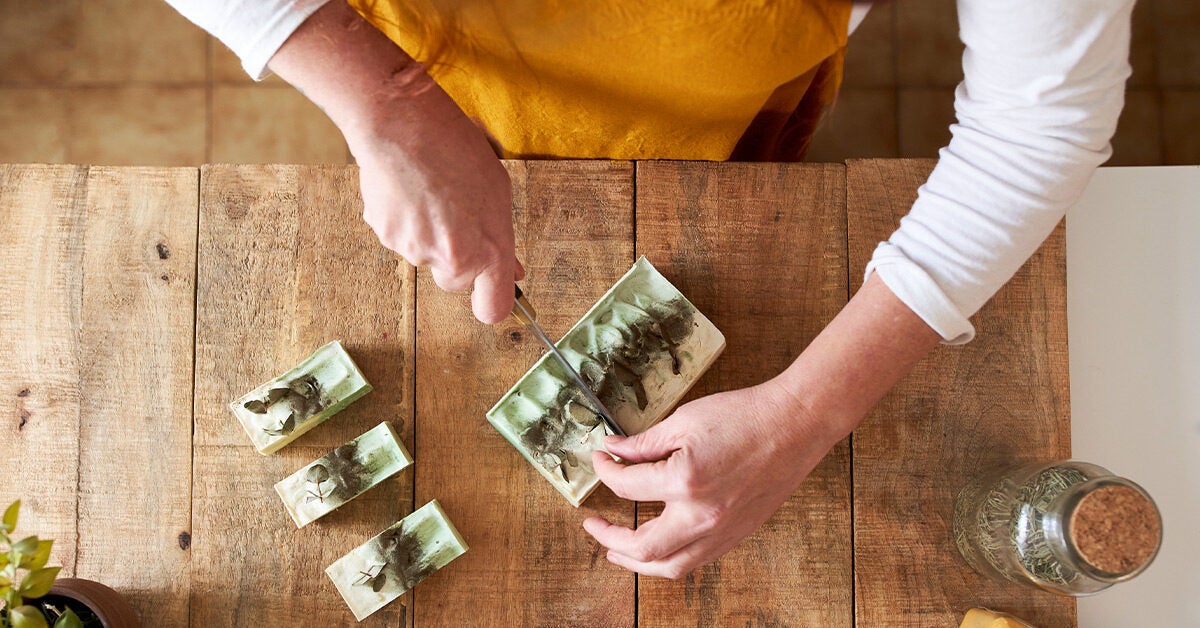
[281, 410]
[339, 476]
[396, 560]
[640, 348]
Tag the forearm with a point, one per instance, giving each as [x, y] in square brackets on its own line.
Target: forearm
[868, 347]
[349, 69]
[1042, 90]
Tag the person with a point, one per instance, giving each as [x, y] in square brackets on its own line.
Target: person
[1043, 86]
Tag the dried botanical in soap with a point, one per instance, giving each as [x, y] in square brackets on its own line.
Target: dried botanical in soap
[343, 474]
[397, 559]
[639, 349]
[281, 410]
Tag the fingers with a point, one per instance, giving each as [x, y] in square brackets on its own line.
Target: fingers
[654, 540]
[656, 443]
[492, 300]
[643, 482]
[688, 559]
[451, 282]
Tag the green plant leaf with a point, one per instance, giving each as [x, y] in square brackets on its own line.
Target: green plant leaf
[41, 555]
[10, 516]
[27, 545]
[11, 599]
[68, 620]
[3, 560]
[26, 617]
[38, 582]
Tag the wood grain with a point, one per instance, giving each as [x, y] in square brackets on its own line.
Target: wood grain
[43, 210]
[285, 265]
[135, 436]
[760, 249]
[96, 347]
[530, 562]
[1001, 399]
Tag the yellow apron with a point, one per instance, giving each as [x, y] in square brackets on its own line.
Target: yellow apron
[627, 79]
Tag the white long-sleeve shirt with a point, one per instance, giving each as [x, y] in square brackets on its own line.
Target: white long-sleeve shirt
[1042, 89]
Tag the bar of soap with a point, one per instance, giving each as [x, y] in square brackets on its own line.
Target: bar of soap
[339, 476]
[396, 560]
[640, 348]
[281, 410]
[983, 618]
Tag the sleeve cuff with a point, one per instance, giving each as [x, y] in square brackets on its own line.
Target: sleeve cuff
[916, 289]
[270, 36]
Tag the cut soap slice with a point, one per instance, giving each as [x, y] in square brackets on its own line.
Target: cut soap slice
[395, 560]
[343, 474]
[281, 410]
[640, 347]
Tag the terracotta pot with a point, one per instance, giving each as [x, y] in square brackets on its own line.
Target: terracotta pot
[107, 604]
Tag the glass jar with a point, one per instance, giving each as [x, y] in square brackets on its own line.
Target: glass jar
[1069, 527]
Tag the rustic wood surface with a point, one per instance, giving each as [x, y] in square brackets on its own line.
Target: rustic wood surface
[118, 356]
[285, 265]
[530, 563]
[1001, 399]
[760, 249]
[96, 314]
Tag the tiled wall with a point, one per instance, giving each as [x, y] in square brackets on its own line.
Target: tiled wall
[903, 63]
[130, 82]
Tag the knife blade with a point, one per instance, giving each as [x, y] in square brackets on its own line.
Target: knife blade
[524, 312]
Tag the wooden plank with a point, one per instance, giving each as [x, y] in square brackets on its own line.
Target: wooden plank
[760, 249]
[135, 431]
[285, 265]
[1001, 399]
[43, 211]
[96, 347]
[530, 563]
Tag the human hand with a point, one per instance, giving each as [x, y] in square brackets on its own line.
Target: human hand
[434, 191]
[722, 464]
[432, 187]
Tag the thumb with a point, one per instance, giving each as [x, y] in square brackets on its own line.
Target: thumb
[492, 299]
[656, 443]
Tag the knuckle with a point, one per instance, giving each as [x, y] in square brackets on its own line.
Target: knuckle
[691, 485]
[642, 553]
[454, 265]
[709, 519]
[620, 490]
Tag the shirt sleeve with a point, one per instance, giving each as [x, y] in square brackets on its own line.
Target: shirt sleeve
[253, 29]
[1042, 89]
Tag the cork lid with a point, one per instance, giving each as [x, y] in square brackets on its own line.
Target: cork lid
[1116, 529]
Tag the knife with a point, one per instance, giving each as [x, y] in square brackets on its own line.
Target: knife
[523, 312]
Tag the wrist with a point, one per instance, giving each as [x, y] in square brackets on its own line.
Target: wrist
[871, 344]
[349, 69]
[806, 411]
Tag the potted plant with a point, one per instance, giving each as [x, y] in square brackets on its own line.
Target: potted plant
[32, 598]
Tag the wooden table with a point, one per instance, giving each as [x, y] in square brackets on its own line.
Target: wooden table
[135, 302]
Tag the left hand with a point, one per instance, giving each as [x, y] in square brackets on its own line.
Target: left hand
[722, 464]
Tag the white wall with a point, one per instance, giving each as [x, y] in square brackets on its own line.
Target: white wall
[1133, 295]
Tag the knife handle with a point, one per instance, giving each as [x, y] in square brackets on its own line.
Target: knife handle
[522, 302]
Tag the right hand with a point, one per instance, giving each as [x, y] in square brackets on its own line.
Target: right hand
[434, 191]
